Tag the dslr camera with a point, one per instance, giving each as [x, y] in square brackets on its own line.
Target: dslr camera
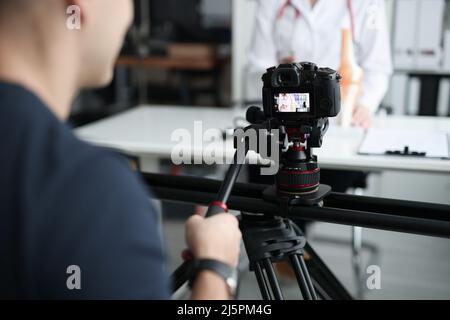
[297, 93]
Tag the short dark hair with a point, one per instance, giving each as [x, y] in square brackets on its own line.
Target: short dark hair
[15, 8]
[7, 5]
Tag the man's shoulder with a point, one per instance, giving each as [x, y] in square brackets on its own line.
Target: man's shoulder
[45, 158]
[88, 176]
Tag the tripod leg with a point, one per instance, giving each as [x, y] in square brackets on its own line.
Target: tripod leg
[321, 294]
[181, 275]
[356, 259]
[276, 290]
[302, 283]
[262, 282]
[308, 278]
[324, 278]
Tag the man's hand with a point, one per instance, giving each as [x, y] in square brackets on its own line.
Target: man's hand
[217, 238]
[362, 117]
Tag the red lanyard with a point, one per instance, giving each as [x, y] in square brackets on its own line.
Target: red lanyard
[286, 5]
[298, 13]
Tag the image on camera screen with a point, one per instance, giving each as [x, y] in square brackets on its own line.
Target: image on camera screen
[292, 102]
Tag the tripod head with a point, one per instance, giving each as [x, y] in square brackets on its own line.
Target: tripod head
[299, 172]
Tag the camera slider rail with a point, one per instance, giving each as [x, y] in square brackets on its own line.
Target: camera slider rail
[369, 212]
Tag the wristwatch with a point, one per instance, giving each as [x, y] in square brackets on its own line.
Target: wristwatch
[226, 272]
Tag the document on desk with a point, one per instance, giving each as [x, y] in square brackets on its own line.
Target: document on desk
[379, 141]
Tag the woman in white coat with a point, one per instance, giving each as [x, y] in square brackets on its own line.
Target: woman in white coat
[310, 30]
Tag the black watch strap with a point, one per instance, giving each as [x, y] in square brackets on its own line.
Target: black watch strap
[225, 271]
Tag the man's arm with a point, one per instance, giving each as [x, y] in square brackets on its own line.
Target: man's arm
[217, 238]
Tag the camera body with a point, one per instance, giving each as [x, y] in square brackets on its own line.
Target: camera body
[296, 93]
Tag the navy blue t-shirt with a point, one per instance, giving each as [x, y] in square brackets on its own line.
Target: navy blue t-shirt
[65, 203]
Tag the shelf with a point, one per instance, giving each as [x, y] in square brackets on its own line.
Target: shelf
[444, 73]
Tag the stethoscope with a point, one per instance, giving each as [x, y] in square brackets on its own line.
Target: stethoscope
[289, 54]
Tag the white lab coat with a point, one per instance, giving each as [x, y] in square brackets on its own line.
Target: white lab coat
[317, 38]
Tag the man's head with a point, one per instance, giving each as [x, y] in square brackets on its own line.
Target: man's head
[93, 48]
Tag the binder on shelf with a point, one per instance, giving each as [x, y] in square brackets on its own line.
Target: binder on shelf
[405, 33]
[418, 34]
[429, 34]
[413, 100]
[443, 98]
[446, 53]
[397, 95]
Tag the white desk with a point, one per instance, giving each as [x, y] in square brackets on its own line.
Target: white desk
[146, 132]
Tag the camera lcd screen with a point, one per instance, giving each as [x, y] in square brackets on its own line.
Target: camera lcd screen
[292, 103]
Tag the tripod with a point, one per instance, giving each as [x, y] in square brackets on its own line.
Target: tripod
[274, 240]
[268, 238]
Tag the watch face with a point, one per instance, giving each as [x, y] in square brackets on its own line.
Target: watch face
[232, 282]
[232, 285]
